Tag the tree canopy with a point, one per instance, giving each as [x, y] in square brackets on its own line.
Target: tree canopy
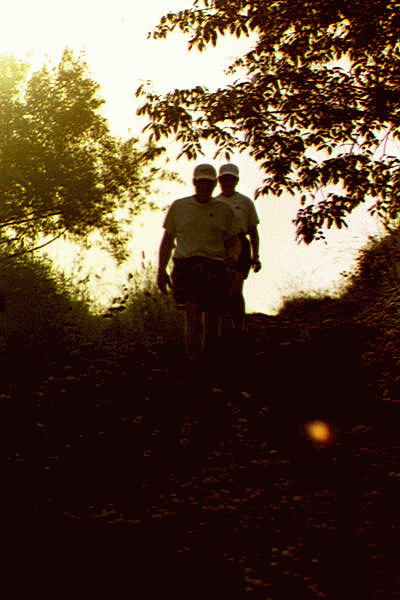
[318, 106]
[62, 173]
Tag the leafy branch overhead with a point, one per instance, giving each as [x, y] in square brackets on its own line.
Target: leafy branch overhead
[62, 173]
[323, 79]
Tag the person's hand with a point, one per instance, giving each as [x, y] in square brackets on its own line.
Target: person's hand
[255, 263]
[163, 281]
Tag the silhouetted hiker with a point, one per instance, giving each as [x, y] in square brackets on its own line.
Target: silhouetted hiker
[205, 231]
[246, 212]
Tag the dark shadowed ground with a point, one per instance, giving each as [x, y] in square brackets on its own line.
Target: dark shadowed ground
[127, 476]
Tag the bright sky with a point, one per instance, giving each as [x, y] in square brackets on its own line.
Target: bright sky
[119, 55]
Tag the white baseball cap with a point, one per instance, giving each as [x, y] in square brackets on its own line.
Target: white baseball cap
[205, 172]
[229, 169]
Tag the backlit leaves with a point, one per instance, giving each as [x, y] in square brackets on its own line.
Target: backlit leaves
[61, 171]
[296, 100]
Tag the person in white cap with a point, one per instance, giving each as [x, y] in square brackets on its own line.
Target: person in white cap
[205, 231]
[248, 258]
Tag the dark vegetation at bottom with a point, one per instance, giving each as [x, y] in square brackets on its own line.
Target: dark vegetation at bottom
[270, 514]
[103, 499]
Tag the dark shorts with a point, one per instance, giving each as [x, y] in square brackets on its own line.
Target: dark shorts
[200, 279]
[244, 263]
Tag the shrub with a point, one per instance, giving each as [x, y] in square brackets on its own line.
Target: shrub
[377, 271]
[41, 303]
[142, 315]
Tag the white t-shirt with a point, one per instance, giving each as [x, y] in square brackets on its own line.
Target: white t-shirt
[200, 229]
[244, 209]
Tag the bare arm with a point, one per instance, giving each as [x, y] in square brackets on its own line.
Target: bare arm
[166, 247]
[254, 240]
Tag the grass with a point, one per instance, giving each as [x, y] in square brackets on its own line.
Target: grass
[311, 304]
[42, 302]
[376, 275]
[148, 317]
[369, 295]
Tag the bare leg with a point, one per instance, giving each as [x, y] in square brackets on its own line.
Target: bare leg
[182, 321]
[241, 306]
[232, 332]
[212, 322]
[236, 299]
[212, 349]
[194, 330]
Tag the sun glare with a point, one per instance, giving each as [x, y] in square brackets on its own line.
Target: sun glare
[320, 433]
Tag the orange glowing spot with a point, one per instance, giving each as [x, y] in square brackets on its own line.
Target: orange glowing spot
[318, 431]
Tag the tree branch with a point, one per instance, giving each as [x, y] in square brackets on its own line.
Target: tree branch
[42, 246]
[8, 223]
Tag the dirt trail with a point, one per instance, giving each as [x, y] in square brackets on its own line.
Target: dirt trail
[246, 504]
